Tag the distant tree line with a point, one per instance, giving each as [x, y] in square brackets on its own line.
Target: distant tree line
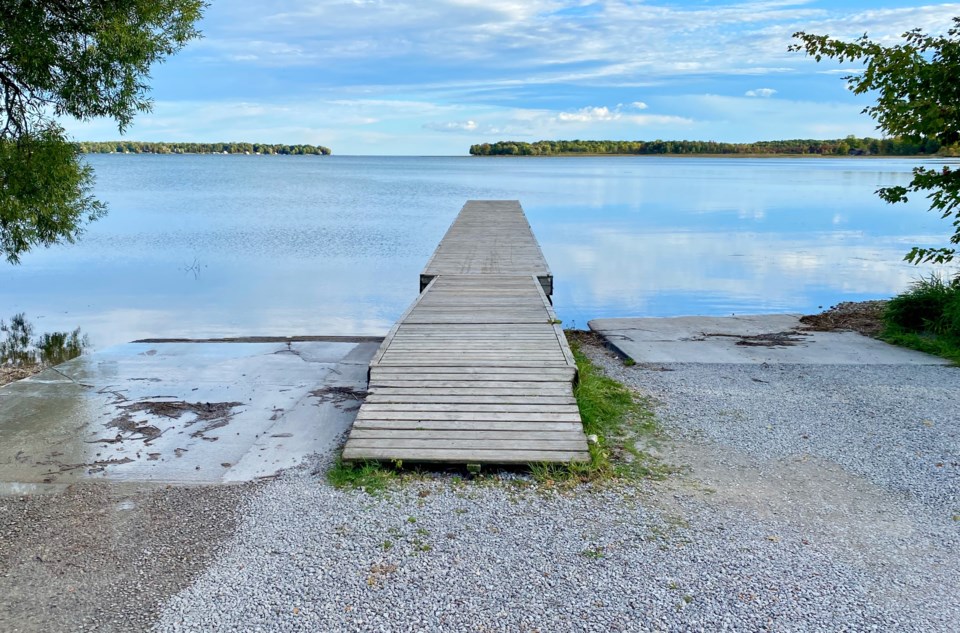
[137, 147]
[838, 147]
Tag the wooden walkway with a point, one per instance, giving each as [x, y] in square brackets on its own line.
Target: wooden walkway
[489, 237]
[476, 371]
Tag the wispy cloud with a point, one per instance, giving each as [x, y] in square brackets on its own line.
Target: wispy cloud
[609, 36]
[394, 77]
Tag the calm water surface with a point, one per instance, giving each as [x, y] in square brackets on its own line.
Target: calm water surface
[207, 246]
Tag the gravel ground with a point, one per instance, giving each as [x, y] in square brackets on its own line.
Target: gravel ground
[101, 557]
[811, 500]
[896, 425]
[768, 529]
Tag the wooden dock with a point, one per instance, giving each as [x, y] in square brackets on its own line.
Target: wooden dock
[489, 237]
[478, 369]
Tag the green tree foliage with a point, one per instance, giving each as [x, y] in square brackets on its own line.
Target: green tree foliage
[837, 147]
[78, 58]
[917, 84]
[138, 147]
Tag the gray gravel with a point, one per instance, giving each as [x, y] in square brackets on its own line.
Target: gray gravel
[896, 425]
[310, 558]
[101, 557]
[765, 532]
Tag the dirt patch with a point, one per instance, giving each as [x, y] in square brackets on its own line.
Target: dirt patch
[865, 317]
[585, 337]
[341, 397]
[214, 414]
[92, 467]
[204, 411]
[771, 339]
[102, 557]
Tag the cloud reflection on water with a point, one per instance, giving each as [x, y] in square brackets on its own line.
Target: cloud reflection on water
[205, 246]
[667, 273]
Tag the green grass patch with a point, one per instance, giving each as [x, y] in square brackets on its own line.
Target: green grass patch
[926, 318]
[929, 343]
[372, 477]
[622, 422]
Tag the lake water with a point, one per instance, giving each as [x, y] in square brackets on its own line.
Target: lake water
[210, 246]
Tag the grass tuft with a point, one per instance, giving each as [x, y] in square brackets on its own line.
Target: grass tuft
[926, 318]
[372, 477]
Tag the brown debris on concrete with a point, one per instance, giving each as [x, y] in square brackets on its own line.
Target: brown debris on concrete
[865, 317]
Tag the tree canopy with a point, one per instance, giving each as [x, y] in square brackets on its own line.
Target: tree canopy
[850, 145]
[77, 58]
[233, 147]
[917, 85]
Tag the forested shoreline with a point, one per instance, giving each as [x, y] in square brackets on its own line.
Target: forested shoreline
[849, 146]
[139, 147]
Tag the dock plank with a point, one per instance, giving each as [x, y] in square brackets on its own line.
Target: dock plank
[489, 237]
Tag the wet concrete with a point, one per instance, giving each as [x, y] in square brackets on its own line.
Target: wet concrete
[180, 412]
[766, 338]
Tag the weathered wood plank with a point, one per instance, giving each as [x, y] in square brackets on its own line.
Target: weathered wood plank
[475, 363]
[468, 386]
[457, 383]
[378, 433]
[474, 443]
[554, 373]
[467, 425]
[477, 417]
[464, 455]
[466, 407]
[424, 380]
[527, 399]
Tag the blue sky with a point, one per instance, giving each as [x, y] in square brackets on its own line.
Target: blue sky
[425, 77]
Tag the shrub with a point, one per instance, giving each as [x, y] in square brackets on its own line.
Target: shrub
[950, 321]
[930, 306]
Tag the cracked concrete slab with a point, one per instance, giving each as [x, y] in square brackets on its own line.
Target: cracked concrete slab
[766, 338]
[180, 412]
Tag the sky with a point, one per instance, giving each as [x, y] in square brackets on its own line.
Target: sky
[432, 77]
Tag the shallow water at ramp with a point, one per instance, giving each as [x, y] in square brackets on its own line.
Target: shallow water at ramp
[179, 412]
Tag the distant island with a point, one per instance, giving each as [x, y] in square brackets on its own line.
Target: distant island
[137, 147]
[849, 146]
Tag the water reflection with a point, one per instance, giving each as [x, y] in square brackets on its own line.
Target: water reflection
[681, 273]
[205, 246]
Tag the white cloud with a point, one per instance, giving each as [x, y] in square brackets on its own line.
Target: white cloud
[452, 126]
[765, 93]
[602, 114]
[586, 115]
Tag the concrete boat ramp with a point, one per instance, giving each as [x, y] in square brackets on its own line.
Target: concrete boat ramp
[748, 339]
[181, 412]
